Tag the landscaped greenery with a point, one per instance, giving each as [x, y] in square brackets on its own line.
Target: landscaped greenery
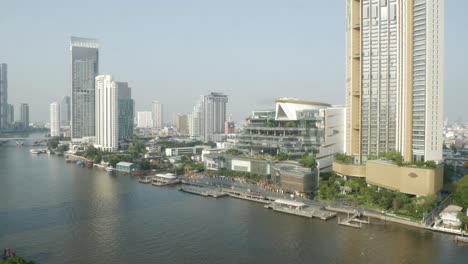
[335, 188]
[234, 152]
[91, 153]
[307, 161]
[282, 156]
[16, 260]
[343, 158]
[392, 156]
[460, 192]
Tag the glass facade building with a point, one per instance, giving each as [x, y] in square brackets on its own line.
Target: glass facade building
[394, 78]
[84, 69]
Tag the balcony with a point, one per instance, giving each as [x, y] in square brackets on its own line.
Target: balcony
[357, 55]
[356, 93]
[357, 26]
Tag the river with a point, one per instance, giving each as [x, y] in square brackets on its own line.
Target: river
[54, 212]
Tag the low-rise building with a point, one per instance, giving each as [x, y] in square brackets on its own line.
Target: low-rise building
[296, 127]
[291, 176]
[126, 166]
[385, 174]
[449, 216]
[185, 151]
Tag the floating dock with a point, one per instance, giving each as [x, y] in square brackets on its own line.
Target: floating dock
[247, 196]
[300, 209]
[203, 191]
[463, 239]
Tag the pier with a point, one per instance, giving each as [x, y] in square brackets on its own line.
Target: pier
[353, 220]
[300, 209]
[203, 191]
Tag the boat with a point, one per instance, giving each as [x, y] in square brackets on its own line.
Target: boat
[19, 143]
[461, 238]
[109, 169]
[164, 179]
[145, 180]
[35, 151]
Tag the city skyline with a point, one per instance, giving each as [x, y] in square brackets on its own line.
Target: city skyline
[291, 67]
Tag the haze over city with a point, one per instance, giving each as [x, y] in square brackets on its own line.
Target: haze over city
[175, 51]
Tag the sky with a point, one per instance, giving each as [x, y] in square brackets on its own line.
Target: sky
[174, 51]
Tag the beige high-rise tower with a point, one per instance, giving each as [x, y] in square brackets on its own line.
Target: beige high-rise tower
[394, 78]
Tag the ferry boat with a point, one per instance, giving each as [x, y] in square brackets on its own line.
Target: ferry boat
[164, 179]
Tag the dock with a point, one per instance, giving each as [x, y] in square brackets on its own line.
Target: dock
[463, 239]
[300, 209]
[203, 192]
[247, 196]
[353, 220]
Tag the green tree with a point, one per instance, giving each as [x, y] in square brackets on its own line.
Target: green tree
[282, 156]
[114, 160]
[460, 194]
[145, 164]
[53, 143]
[430, 164]
[464, 221]
[307, 161]
[16, 260]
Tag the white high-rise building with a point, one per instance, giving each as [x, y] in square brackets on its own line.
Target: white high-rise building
[394, 83]
[54, 119]
[144, 119]
[157, 114]
[208, 116]
[215, 115]
[107, 121]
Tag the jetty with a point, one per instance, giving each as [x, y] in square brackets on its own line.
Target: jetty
[463, 239]
[254, 197]
[354, 220]
[300, 209]
[203, 191]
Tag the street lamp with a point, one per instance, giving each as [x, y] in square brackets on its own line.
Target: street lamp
[318, 172]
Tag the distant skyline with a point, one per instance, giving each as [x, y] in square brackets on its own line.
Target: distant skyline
[178, 50]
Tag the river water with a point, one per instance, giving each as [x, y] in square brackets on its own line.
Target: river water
[54, 212]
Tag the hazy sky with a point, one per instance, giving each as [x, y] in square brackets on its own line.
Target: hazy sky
[176, 50]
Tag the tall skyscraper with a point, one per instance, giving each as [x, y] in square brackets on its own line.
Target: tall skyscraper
[197, 127]
[145, 119]
[107, 121]
[54, 119]
[394, 78]
[84, 69]
[208, 116]
[3, 95]
[126, 107]
[24, 115]
[157, 109]
[65, 113]
[10, 115]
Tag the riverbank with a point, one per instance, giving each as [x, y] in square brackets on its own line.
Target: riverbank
[246, 194]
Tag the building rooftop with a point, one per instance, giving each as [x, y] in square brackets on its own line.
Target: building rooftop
[289, 202]
[123, 163]
[452, 209]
